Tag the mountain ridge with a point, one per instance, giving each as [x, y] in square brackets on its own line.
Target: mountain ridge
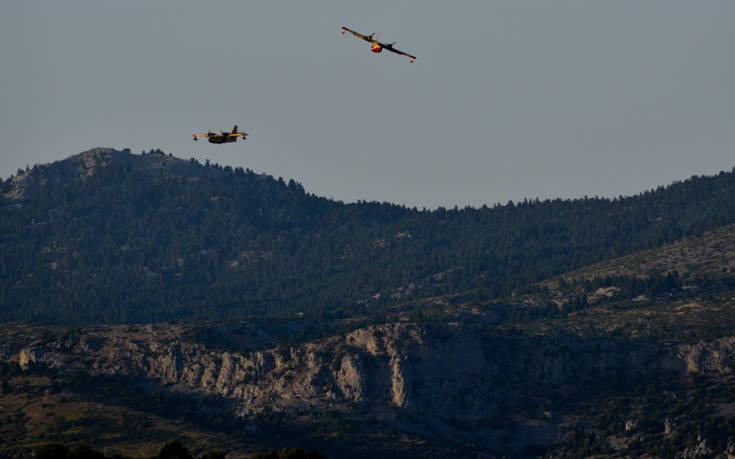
[120, 237]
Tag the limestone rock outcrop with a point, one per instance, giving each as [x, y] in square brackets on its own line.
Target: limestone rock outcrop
[441, 370]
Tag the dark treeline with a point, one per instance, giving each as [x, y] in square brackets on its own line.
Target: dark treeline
[171, 450]
[130, 244]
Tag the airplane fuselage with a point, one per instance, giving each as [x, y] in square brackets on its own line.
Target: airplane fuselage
[222, 139]
[376, 48]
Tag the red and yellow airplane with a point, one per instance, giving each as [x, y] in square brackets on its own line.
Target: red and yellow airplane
[378, 46]
[224, 137]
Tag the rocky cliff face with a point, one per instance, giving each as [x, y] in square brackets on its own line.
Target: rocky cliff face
[440, 370]
[449, 380]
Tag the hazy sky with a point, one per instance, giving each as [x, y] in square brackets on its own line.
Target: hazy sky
[507, 99]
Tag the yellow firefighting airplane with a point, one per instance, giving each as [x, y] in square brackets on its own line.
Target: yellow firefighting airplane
[224, 137]
[378, 46]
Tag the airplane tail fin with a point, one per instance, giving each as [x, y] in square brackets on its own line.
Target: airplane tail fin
[234, 130]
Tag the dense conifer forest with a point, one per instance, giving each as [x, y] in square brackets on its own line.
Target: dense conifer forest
[112, 237]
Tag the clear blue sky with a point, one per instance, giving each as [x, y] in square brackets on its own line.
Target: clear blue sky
[507, 99]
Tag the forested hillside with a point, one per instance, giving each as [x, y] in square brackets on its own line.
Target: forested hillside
[109, 236]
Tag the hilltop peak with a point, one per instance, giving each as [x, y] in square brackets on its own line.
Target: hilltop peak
[81, 166]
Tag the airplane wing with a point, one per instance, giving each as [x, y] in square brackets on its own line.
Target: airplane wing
[358, 35]
[390, 48]
[196, 136]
